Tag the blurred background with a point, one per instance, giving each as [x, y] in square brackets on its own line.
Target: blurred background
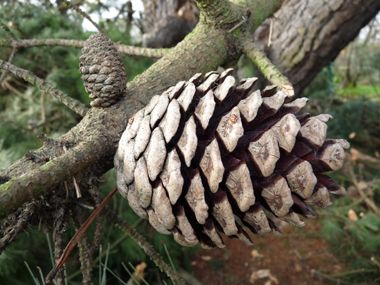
[340, 246]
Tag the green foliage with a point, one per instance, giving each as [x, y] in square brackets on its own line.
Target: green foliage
[355, 242]
[359, 91]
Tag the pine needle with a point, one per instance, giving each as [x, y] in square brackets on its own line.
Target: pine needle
[31, 274]
[117, 277]
[105, 266]
[130, 274]
[170, 259]
[41, 275]
[50, 249]
[100, 265]
[142, 278]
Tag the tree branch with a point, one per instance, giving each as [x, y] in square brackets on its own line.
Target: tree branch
[122, 49]
[267, 68]
[73, 104]
[37, 182]
[14, 50]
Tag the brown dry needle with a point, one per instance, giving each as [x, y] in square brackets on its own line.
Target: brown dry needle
[73, 242]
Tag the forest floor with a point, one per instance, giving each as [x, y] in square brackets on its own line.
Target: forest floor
[300, 256]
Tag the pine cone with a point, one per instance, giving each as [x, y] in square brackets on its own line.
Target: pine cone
[103, 71]
[207, 157]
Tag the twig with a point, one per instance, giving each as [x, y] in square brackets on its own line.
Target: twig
[122, 49]
[85, 256]
[355, 271]
[147, 247]
[42, 102]
[238, 25]
[139, 51]
[84, 205]
[77, 189]
[11, 59]
[14, 50]
[326, 276]
[84, 14]
[270, 32]
[99, 221]
[267, 68]
[374, 260]
[6, 85]
[57, 236]
[8, 31]
[368, 201]
[73, 104]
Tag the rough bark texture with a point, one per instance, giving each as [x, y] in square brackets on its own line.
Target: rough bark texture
[309, 34]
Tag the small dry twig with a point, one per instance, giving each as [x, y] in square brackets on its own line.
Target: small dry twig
[28, 76]
[85, 15]
[267, 68]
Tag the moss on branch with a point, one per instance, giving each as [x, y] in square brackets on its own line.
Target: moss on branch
[267, 68]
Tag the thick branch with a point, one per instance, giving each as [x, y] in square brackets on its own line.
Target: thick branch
[37, 182]
[122, 49]
[73, 104]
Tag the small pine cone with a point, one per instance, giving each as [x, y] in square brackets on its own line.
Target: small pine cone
[209, 156]
[103, 71]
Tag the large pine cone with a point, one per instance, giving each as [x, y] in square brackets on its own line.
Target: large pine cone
[207, 157]
[103, 70]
